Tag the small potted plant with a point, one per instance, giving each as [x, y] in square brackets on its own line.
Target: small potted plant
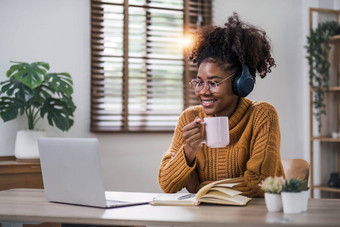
[305, 193]
[30, 90]
[272, 186]
[292, 197]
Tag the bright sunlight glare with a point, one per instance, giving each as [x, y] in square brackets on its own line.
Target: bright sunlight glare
[187, 41]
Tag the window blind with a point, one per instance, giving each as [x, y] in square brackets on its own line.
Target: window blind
[139, 67]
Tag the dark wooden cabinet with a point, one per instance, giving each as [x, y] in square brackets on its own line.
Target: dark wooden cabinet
[22, 174]
[19, 174]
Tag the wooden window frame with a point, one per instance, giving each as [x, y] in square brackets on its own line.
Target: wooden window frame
[196, 13]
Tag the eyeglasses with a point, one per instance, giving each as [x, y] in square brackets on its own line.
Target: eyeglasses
[212, 85]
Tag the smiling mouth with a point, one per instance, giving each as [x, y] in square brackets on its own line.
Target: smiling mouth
[208, 103]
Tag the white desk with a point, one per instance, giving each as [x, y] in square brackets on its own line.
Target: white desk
[30, 206]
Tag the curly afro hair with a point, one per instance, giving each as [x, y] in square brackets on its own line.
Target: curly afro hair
[234, 44]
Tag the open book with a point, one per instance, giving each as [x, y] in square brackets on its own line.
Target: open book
[218, 192]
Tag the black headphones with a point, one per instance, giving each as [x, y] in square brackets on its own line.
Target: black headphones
[243, 83]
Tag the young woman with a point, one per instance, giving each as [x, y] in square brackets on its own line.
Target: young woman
[228, 59]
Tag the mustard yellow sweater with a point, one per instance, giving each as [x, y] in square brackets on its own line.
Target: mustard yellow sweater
[252, 155]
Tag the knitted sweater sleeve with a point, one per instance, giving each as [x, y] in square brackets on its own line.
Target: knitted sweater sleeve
[174, 170]
[264, 158]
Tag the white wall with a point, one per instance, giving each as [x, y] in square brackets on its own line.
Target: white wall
[58, 32]
[287, 86]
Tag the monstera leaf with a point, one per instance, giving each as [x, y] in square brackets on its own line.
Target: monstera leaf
[32, 91]
[58, 113]
[60, 82]
[10, 107]
[31, 75]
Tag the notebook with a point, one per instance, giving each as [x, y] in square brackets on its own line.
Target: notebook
[71, 170]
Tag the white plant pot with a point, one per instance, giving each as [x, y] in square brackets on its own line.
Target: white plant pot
[304, 204]
[273, 202]
[291, 202]
[26, 144]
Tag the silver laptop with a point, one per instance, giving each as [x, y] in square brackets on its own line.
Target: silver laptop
[72, 173]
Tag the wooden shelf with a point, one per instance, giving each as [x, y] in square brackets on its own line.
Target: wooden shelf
[329, 160]
[325, 188]
[334, 39]
[326, 139]
[329, 89]
[333, 89]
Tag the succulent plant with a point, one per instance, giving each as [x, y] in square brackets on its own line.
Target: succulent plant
[272, 185]
[293, 185]
[305, 185]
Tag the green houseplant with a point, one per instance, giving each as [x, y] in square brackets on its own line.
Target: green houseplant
[293, 185]
[305, 194]
[33, 91]
[318, 49]
[272, 186]
[292, 197]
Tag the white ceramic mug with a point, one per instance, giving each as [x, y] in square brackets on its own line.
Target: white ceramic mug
[216, 131]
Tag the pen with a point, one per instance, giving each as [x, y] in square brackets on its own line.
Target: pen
[186, 196]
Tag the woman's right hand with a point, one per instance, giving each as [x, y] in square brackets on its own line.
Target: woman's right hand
[192, 135]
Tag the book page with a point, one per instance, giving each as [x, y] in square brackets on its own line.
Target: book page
[221, 192]
[188, 199]
[221, 198]
[227, 191]
[227, 185]
[221, 183]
